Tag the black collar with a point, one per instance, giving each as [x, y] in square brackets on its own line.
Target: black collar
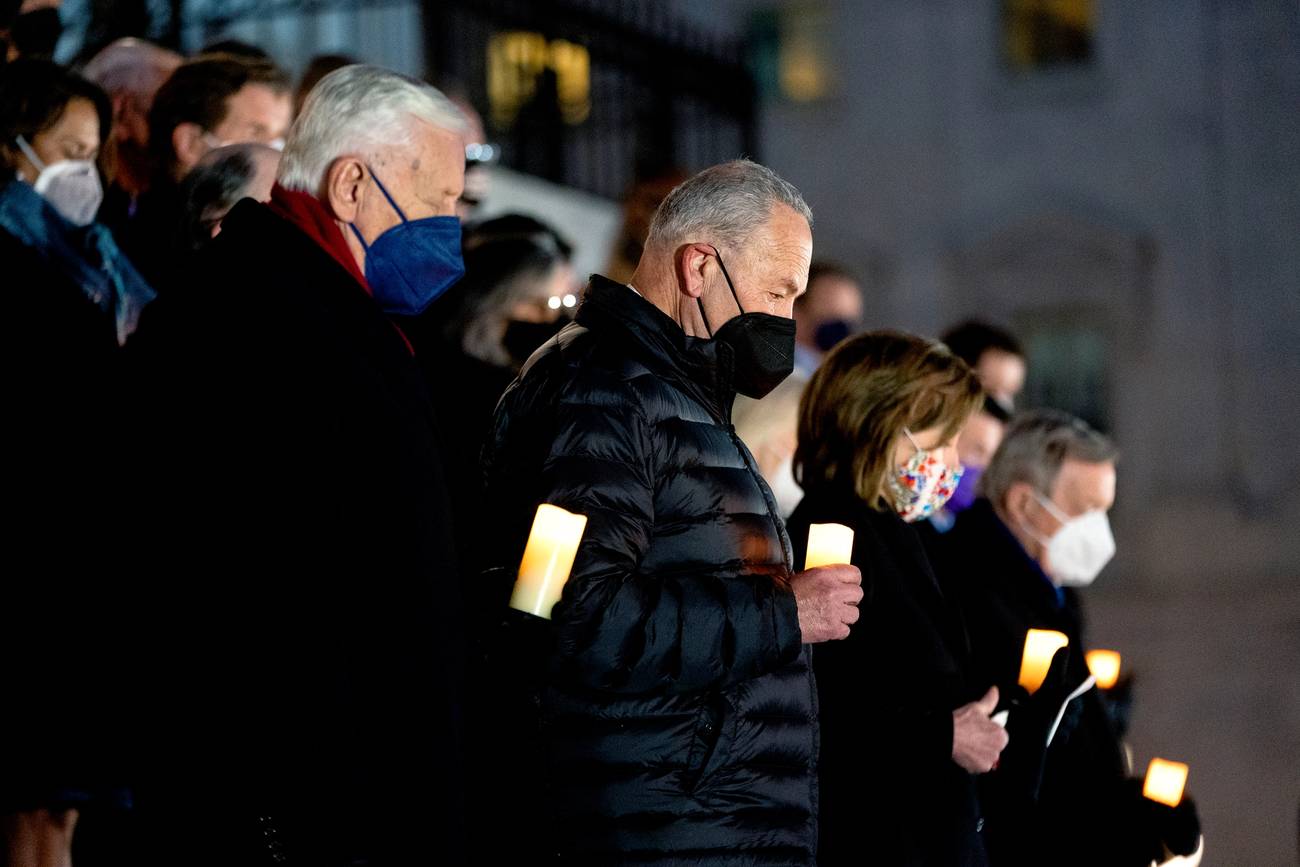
[701, 367]
[1007, 562]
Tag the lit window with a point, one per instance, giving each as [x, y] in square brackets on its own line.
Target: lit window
[516, 60]
[790, 51]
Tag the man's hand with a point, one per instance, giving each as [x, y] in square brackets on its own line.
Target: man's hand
[828, 598]
[977, 741]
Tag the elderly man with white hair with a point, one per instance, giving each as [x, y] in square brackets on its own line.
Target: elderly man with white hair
[679, 718]
[304, 611]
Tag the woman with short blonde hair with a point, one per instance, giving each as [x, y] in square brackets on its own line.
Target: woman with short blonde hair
[903, 730]
[865, 396]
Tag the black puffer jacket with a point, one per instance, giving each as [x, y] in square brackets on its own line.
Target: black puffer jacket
[678, 708]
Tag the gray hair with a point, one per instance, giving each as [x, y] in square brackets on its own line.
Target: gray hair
[725, 203]
[358, 110]
[1035, 446]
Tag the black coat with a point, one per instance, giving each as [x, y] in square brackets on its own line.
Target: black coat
[680, 723]
[465, 391]
[151, 237]
[1085, 813]
[304, 611]
[68, 533]
[890, 791]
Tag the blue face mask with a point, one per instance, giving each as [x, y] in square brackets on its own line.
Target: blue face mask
[414, 262]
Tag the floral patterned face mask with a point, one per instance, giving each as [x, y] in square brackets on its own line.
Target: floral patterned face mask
[923, 484]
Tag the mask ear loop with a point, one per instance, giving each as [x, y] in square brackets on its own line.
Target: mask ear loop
[725, 276]
[384, 190]
[907, 433]
[1051, 508]
[30, 153]
[705, 317]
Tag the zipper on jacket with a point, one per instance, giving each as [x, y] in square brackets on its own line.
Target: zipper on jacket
[773, 512]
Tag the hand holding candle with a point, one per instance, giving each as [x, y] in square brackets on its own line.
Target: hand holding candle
[1040, 646]
[1104, 665]
[828, 545]
[1165, 781]
[829, 589]
[548, 559]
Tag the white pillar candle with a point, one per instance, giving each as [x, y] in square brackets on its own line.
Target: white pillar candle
[1040, 645]
[1104, 665]
[828, 545]
[548, 559]
[1165, 781]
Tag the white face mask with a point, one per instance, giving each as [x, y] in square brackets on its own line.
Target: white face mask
[71, 187]
[1080, 548]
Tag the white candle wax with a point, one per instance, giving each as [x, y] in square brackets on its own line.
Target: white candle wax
[1040, 645]
[828, 545]
[1165, 781]
[548, 559]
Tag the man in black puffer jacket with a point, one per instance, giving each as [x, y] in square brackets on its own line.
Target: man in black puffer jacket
[679, 721]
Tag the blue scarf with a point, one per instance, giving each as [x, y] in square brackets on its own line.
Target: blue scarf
[88, 255]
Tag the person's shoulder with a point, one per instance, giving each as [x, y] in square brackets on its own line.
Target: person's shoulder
[822, 504]
[40, 288]
[582, 363]
[251, 229]
[261, 262]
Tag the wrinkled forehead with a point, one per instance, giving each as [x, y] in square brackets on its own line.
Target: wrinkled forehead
[783, 242]
[431, 160]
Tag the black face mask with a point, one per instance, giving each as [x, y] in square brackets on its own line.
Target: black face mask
[522, 338]
[762, 344]
[36, 33]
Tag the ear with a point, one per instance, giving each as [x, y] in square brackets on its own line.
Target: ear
[1018, 499]
[343, 186]
[188, 145]
[692, 262]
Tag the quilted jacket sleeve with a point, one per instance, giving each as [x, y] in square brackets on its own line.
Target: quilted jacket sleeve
[619, 629]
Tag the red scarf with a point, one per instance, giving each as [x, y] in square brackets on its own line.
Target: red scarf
[309, 214]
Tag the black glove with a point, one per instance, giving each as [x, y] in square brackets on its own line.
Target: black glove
[1156, 830]
[1029, 719]
[1118, 703]
[1180, 827]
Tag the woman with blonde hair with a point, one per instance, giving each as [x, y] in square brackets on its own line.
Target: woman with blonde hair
[903, 730]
